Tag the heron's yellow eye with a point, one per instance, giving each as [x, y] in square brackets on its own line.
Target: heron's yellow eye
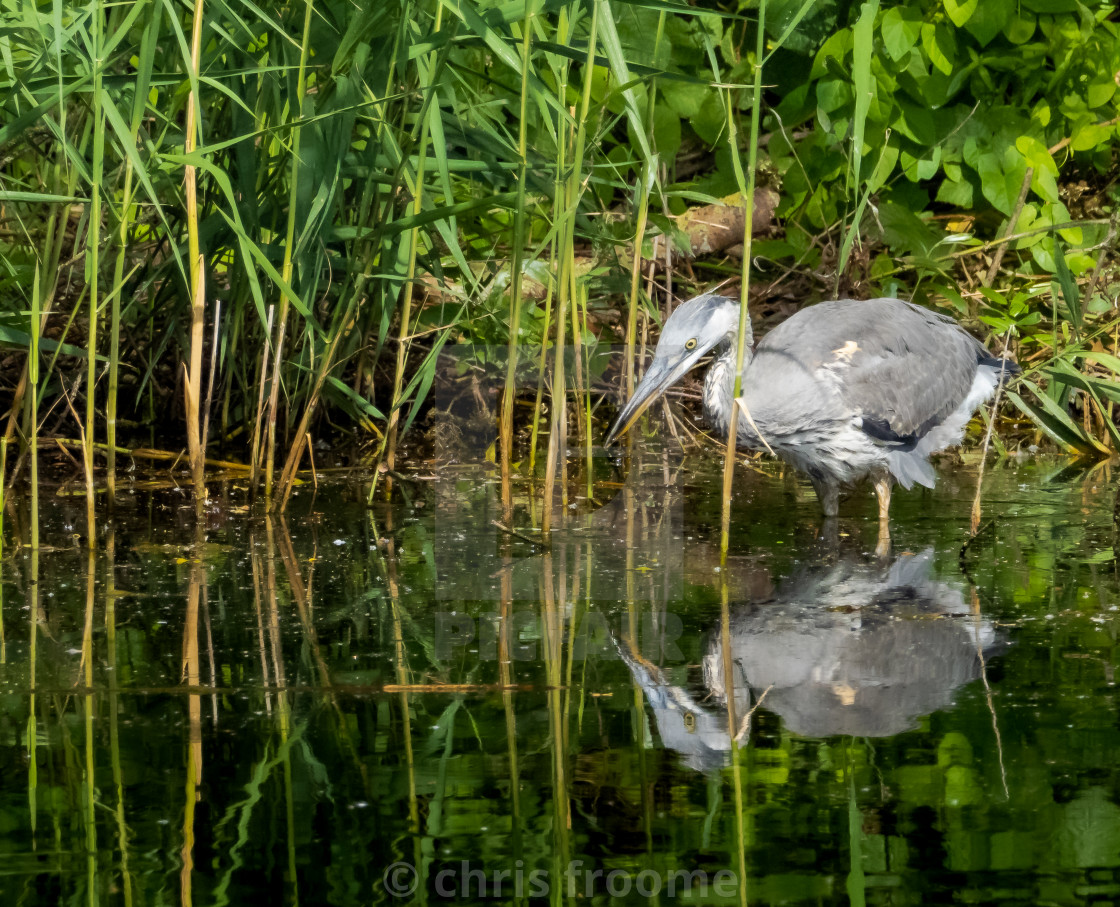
[691, 345]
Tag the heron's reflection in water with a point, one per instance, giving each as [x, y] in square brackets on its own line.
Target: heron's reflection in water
[852, 648]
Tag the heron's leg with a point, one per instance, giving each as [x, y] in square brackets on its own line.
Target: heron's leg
[828, 492]
[883, 482]
[829, 538]
[883, 548]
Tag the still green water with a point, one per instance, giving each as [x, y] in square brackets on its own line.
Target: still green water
[405, 704]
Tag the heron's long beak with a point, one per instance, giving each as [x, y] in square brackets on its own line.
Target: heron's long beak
[663, 373]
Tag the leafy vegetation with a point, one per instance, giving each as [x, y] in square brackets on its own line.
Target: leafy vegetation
[269, 221]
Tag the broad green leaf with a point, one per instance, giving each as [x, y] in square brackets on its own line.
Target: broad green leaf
[1080, 263]
[833, 94]
[1020, 26]
[666, 132]
[920, 168]
[1002, 178]
[904, 231]
[686, 99]
[788, 22]
[955, 299]
[900, 27]
[1045, 171]
[955, 192]
[1101, 91]
[939, 46]
[1050, 7]
[1088, 136]
[836, 49]
[1036, 154]
[961, 11]
[711, 120]
[989, 19]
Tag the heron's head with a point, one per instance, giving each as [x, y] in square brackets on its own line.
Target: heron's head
[692, 330]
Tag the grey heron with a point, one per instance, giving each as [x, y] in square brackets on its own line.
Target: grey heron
[843, 390]
[849, 648]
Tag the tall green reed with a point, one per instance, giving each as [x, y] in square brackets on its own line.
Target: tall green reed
[516, 267]
[747, 188]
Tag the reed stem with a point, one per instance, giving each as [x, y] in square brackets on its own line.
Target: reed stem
[93, 259]
[744, 297]
[516, 265]
[289, 247]
[192, 383]
[430, 110]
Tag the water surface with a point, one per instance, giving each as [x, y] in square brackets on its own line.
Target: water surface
[368, 705]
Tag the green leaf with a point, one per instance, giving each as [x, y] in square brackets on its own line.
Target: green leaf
[1056, 423]
[961, 11]
[1108, 360]
[835, 48]
[955, 192]
[1020, 27]
[686, 99]
[12, 195]
[904, 231]
[939, 46]
[1044, 179]
[1050, 7]
[1070, 293]
[711, 120]
[666, 132]
[790, 24]
[1061, 371]
[1088, 136]
[900, 27]
[21, 340]
[920, 168]
[360, 402]
[1001, 179]
[863, 43]
[989, 19]
[1101, 91]
[621, 70]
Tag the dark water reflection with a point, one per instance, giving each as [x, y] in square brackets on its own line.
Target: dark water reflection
[363, 706]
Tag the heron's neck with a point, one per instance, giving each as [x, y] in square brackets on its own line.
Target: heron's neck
[719, 387]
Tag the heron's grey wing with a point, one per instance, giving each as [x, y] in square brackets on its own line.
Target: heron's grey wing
[915, 373]
[901, 368]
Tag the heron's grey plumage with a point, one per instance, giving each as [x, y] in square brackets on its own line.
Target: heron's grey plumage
[843, 390]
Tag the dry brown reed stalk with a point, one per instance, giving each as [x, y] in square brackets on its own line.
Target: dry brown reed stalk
[213, 371]
[192, 386]
[255, 449]
[269, 453]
